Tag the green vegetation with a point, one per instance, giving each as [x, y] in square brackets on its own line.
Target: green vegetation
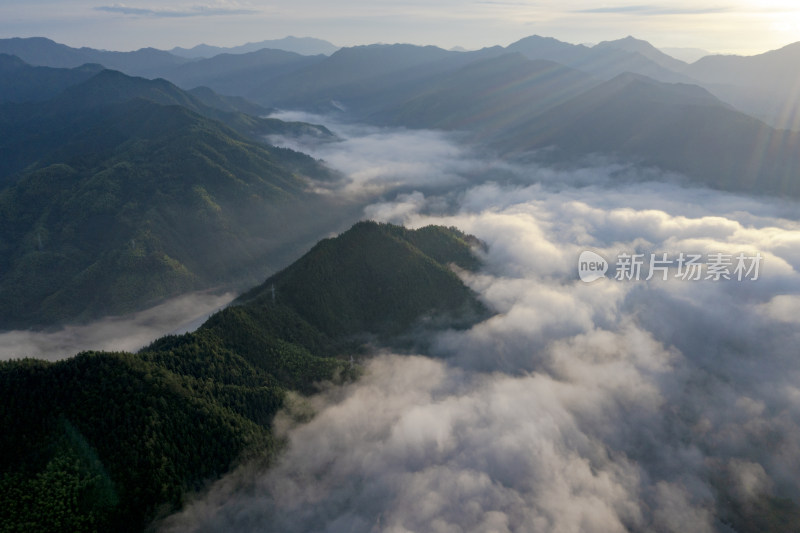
[138, 198]
[112, 441]
[378, 278]
[105, 440]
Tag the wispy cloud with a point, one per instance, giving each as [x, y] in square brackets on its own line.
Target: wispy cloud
[655, 10]
[124, 333]
[192, 11]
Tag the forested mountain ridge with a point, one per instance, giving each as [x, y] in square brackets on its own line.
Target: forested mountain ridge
[379, 279]
[110, 441]
[122, 191]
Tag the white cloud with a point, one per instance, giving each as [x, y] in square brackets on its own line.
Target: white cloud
[611, 406]
[124, 333]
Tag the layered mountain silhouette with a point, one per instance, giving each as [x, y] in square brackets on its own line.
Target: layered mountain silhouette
[765, 85]
[606, 60]
[676, 127]
[21, 82]
[241, 74]
[44, 52]
[645, 49]
[307, 46]
[488, 96]
[111, 441]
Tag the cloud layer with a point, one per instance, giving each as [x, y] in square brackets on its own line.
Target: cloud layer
[645, 406]
[127, 333]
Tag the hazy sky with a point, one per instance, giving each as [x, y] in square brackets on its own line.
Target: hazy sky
[727, 26]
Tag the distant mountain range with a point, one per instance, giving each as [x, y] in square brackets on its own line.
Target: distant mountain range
[766, 86]
[43, 52]
[272, 70]
[487, 96]
[72, 140]
[605, 60]
[307, 46]
[245, 74]
[676, 127]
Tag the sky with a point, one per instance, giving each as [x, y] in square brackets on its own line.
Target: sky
[743, 27]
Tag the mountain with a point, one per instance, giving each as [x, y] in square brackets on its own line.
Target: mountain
[307, 46]
[359, 77]
[645, 49]
[20, 82]
[377, 278]
[770, 67]
[687, 55]
[120, 192]
[676, 127]
[765, 85]
[32, 130]
[46, 53]
[230, 104]
[489, 95]
[111, 441]
[364, 79]
[239, 74]
[603, 61]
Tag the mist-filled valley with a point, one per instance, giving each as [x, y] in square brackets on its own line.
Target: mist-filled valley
[346, 290]
[609, 406]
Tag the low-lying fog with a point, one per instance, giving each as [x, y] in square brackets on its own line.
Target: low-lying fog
[122, 333]
[609, 406]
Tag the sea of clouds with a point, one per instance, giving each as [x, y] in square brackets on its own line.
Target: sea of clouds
[610, 406]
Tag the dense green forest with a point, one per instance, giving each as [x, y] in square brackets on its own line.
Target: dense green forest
[119, 192]
[112, 441]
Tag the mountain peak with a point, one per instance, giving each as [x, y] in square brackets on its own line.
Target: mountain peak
[633, 45]
[387, 279]
[629, 43]
[540, 41]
